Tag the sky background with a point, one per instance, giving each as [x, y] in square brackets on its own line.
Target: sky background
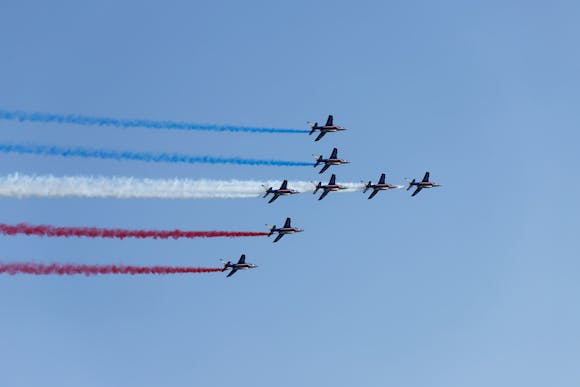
[475, 283]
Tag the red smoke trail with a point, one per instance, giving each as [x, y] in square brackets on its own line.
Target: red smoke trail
[88, 270]
[93, 232]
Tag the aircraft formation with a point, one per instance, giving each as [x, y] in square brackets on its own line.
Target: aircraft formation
[101, 189]
[332, 186]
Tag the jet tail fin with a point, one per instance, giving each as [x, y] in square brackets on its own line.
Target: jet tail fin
[318, 161]
[318, 186]
[411, 183]
[313, 128]
[367, 187]
[226, 264]
[272, 230]
[268, 191]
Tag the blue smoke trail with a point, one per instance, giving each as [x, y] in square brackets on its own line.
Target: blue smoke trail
[103, 121]
[148, 157]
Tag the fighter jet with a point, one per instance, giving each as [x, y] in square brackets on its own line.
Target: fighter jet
[380, 186]
[332, 160]
[425, 183]
[282, 191]
[241, 265]
[327, 128]
[330, 187]
[287, 229]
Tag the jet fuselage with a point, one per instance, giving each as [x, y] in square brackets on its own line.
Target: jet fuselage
[282, 192]
[382, 187]
[334, 161]
[329, 129]
[287, 230]
[240, 266]
[332, 188]
[426, 184]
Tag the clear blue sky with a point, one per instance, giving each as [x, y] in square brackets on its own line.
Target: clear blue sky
[475, 283]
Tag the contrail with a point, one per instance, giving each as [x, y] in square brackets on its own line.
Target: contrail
[94, 232]
[23, 186]
[90, 270]
[46, 150]
[119, 123]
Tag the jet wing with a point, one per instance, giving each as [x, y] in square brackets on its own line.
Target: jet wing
[334, 153]
[323, 195]
[273, 198]
[382, 179]
[287, 223]
[329, 120]
[419, 188]
[332, 179]
[373, 193]
[232, 272]
[242, 259]
[326, 166]
[278, 238]
[426, 177]
[284, 185]
[320, 135]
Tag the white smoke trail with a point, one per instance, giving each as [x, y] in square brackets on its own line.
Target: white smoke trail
[23, 186]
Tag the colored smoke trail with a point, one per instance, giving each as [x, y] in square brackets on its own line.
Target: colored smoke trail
[21, 186]
[45, 150]
[103, 121]
[90, 270]
[93, 232]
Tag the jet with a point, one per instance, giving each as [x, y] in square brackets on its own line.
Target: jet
[327, 128]
[283, 190]
[380, 186]
[425, 183]
[332, 160]
[241, 265]
[330, 187]
[287, 229]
